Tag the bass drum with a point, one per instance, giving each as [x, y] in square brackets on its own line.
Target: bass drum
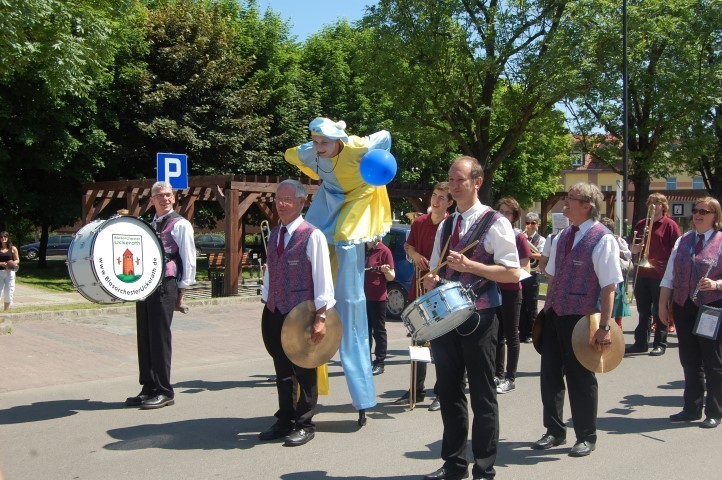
[116, 260]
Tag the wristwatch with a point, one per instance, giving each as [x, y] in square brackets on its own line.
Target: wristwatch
[606, 327]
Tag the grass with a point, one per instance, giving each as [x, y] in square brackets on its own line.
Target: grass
[54, 278]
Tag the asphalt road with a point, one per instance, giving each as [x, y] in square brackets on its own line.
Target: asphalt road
[64, 379]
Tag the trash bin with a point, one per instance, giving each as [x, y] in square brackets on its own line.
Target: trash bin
[218, 284]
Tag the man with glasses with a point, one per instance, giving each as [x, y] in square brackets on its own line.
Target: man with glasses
[471, 347]
[530, 286]
[663, 233]
[583, 273]
[155, 314]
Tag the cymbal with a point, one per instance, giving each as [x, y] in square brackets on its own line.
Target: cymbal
[296, 336]
[537, 329]
[588, 356]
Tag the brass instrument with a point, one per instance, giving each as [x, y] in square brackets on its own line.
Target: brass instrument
[645, 241]
[265, 236]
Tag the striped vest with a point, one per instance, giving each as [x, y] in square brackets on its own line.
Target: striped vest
[291, 275]
[576, 286]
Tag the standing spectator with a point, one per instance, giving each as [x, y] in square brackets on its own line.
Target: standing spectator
[471, 347]
[510, 307]
[9, 263]
[418, 249]
[694, 278]
[379, 271]
[584, 250]
[530, 286]
[297, 255]
[663, 233]
[154, 315]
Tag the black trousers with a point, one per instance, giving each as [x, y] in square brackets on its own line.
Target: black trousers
[701, 360]
[529, 304]
[558, 361]
[508, 314]
[153, 318]
[470, 348]
[376, 313]
[291, 413]
[646, 291]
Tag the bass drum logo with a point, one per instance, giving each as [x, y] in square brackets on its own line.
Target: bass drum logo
[128, 257]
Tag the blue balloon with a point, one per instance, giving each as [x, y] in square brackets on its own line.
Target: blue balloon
[378, 167]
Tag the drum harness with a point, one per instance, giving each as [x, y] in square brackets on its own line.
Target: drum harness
[482, 227]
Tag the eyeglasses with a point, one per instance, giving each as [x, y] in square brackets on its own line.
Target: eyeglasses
[701, 211]
[163, 195]
[569, 198]
[531, 223]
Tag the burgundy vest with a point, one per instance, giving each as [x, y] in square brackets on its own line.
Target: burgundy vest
[291, 274]
[169, 246]
[576, 286]
[689, 268]
[488, 294]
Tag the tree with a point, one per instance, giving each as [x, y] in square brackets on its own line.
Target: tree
[55, 58]
[476, 72]
[663, 57]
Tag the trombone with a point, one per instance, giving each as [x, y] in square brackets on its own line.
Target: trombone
[643, 240]
[265, 236]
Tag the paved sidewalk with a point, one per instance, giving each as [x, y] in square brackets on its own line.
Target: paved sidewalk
[64, 379]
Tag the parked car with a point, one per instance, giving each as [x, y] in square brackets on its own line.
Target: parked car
[398, 288]
[210, 243]
[57, 245]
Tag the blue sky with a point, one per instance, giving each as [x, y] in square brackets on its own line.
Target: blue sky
[308, 16]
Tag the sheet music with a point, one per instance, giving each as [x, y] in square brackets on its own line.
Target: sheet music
[708, 324]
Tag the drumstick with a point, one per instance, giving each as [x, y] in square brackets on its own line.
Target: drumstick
[472, 244]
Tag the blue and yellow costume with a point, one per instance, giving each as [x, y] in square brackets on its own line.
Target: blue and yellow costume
[349, 212]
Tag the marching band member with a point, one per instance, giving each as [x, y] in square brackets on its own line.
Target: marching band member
[510, 308]
[694, 278]
[155, 314]
[297, 254]
[662, 234]
[349, 212]
[584, 250]
[418, 248]
[379, 271]
[472, 346]
[530, 286]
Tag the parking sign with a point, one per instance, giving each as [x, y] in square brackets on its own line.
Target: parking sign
[173, 168]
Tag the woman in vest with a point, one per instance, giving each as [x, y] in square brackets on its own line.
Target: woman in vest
[9, 262]
[694, 278]
[349, 212]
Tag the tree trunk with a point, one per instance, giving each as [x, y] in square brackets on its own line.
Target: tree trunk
[42, 251]
[642, 182]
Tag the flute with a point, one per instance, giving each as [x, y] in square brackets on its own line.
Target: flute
[696, 290]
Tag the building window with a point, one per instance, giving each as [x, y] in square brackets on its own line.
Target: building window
[671, 183]
[697, 183]
[577, 159]
[605, 188]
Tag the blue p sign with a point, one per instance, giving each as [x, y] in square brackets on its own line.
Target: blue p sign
[173, 168]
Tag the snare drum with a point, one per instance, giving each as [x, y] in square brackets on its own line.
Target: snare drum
[438, 312]
[116, 260]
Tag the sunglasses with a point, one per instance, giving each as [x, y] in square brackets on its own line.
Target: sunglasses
[531, 223]
[701, 211]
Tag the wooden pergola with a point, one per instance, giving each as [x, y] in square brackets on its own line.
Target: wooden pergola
[234, 193]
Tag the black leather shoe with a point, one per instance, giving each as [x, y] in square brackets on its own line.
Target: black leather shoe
[137, 400]
[435, 405]
[657, 351]
[710, 422]
[405, 398]
[378, 369]
[275, 432]
[527, 340]
[299, 437]
[636, 348]
[582, 449]
[159, 401]
[685, 416]
[446, 474]
[548, 441]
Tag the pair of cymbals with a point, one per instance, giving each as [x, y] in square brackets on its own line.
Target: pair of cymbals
[296, 336]
[588, 355]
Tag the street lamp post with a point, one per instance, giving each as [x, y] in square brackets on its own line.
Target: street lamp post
[625, 120]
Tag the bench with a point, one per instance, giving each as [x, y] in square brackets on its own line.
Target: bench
[217, 263]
